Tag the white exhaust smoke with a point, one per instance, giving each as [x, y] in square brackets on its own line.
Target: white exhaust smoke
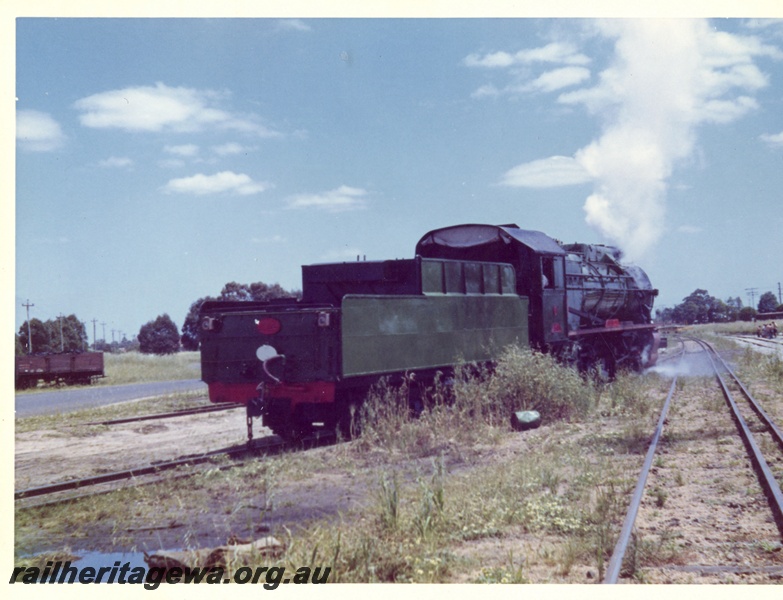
[664, 79]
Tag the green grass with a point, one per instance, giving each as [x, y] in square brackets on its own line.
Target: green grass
[735, 328]
[134, 367]
[78, 418]
[421, 526]
[128, 368]
[478, 406]
[441, 488]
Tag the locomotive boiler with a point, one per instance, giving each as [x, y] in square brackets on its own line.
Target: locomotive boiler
[470, 291]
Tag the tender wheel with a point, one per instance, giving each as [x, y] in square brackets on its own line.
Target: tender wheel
[290, 435]
[292, 430]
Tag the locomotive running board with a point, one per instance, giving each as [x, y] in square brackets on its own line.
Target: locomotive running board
[619, 329]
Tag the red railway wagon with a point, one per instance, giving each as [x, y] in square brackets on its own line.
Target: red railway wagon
[68, 368]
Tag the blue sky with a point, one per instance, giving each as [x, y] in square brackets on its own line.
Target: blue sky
[158, 159]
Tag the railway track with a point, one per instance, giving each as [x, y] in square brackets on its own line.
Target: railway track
[771, 345]
[240, 454]
[167, 415]
[728, 513]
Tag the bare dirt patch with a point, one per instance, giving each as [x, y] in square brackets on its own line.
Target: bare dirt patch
[52, 455]
[332, 484]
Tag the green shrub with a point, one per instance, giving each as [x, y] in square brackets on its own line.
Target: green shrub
[527, 380]
[479, 399]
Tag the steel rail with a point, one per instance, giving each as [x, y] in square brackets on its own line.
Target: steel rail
[166, 415]
[265, 446]
[149, 469]
[770, 344]
[766, 478]
[674, 356]
[774, 430]
[754, 338]
[615, 563]
[765, 475]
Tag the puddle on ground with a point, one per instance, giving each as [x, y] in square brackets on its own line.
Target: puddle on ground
[97, 560]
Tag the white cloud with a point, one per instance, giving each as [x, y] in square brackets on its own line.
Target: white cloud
[664, 80]
[219, 183]
[341, 199]
[116, 162]
[519, 66]
[38, 132]
[559, 78]
[554, 171]
[293, 25]
[231, 148]
[182, 150]
[651, 99]
[490, 61]
[164, 108]
[775, 139]
[549, 81]
[485, 91]
[556, 52]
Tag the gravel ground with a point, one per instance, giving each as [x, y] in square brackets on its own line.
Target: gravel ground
[704, 518]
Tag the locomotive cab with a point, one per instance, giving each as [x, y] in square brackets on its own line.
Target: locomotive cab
[539, 263]
[583, 303]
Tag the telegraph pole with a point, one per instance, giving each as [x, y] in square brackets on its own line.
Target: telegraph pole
[94, 321]
[780, 297]
[752, 292]
[104, 332]
[62, 341]
[30, 335]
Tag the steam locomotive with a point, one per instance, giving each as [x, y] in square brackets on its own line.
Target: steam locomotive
[470, 291]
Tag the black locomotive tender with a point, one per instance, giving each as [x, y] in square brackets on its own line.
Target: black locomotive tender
[470, 291]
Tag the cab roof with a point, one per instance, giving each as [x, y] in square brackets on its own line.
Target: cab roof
[469, 236]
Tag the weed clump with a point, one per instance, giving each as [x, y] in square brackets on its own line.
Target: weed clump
[465, 408]
[529, 380]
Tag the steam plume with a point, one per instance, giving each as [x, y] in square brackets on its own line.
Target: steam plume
[666, 78]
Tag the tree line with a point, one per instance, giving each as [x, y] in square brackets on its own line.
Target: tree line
[701, 307]
[159, 336]
[55, 335]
